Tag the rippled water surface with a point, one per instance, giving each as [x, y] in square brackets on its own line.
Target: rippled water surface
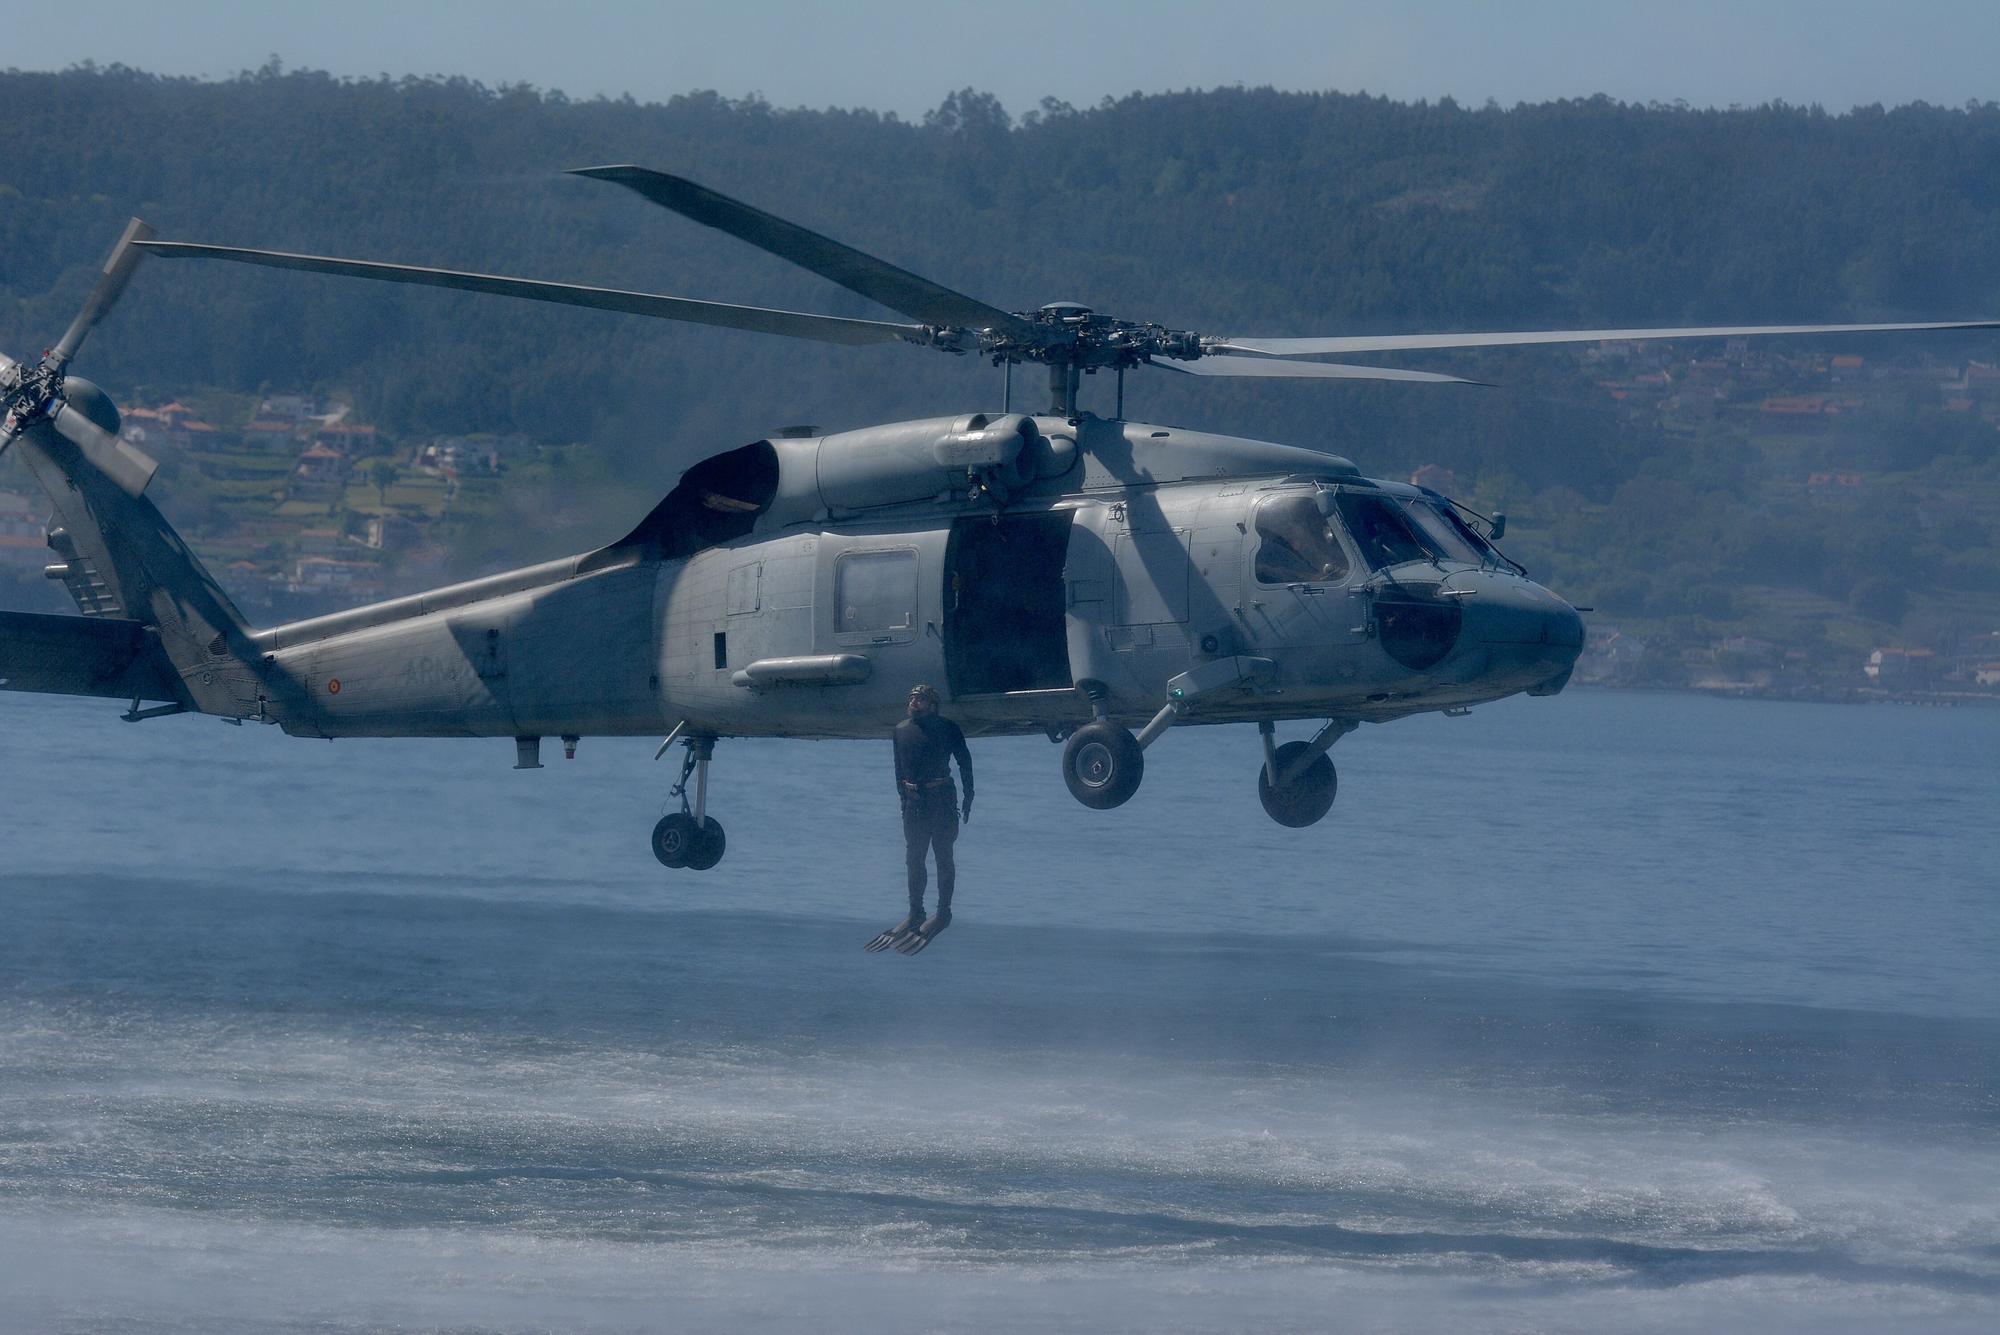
[1646, 1012]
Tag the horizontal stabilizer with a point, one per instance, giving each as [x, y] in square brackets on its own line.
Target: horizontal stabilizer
[68, 655]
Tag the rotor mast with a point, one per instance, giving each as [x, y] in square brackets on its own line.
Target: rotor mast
[1064, 378]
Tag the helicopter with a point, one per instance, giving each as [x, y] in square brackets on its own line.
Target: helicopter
[1093, 579]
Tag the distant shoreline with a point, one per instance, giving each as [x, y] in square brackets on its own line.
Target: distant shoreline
[1859, 695]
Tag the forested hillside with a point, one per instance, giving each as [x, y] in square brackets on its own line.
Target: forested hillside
[1233, 211]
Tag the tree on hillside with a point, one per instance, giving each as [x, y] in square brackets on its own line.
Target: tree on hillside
[383, 473]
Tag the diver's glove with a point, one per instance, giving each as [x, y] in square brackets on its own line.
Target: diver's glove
[965, 810]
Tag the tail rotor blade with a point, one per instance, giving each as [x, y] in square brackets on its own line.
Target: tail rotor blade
[131, 469]
[125, 257]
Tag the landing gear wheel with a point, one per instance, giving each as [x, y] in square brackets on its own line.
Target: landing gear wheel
[1102, 764]
[1304, 800]
[675, 839]
[709, 842]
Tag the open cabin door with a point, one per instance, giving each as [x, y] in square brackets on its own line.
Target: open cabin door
[1005, 628]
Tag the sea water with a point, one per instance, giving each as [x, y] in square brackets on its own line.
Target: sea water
[1611, 1010]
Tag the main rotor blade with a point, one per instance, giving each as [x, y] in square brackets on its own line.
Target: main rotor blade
[1306, 347]
[790, 324]
[1270, 369]
[878, 280]
[118, 267]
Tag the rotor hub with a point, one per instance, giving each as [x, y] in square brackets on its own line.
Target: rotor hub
[1067, 334]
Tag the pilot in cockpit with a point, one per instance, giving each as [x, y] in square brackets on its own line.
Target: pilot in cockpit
[1297, 544]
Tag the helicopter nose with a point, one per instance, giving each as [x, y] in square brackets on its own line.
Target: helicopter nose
[1505, 609]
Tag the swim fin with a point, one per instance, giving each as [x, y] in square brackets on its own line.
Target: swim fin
[913, 942]
[907, 927]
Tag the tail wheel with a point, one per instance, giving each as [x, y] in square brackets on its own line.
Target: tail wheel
[1304, 800]
[1102, 764]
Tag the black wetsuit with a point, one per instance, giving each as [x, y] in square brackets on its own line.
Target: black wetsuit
[925, 747]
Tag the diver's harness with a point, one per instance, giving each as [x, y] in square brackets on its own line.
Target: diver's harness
[921, 792]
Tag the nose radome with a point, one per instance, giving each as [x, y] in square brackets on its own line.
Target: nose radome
[1565, 626]
[1502, 609]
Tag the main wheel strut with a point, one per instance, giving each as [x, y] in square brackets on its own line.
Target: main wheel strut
[1297, 784]
[690, 837]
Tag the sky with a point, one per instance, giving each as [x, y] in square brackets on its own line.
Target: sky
[905, 56]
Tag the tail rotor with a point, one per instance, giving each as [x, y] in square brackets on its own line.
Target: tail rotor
[74, 408]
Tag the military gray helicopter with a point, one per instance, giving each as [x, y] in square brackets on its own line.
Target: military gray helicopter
[1095, 579]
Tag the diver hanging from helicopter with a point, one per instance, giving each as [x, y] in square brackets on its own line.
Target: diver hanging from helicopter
[926, 744]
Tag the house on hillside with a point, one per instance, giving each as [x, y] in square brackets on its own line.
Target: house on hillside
[353, 442]
[391, 533]
[171, 424]
[457, 456]
[194, 431]
[142, 426]
[1900, 667]
[320, 466]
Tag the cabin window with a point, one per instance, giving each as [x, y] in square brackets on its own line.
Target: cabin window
[1296, 544]
[876, 592]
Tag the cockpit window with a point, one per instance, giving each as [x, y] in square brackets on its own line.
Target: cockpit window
[1385, 535]
[1296, 545]
[1446, 531]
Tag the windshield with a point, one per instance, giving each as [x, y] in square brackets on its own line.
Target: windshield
[1296, 544]
[1440, 524]
[1385, 535]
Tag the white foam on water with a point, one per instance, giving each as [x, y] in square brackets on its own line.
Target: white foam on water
[140, 1269]
[190, 1152]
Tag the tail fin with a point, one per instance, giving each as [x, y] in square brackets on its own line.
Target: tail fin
[120, 558]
